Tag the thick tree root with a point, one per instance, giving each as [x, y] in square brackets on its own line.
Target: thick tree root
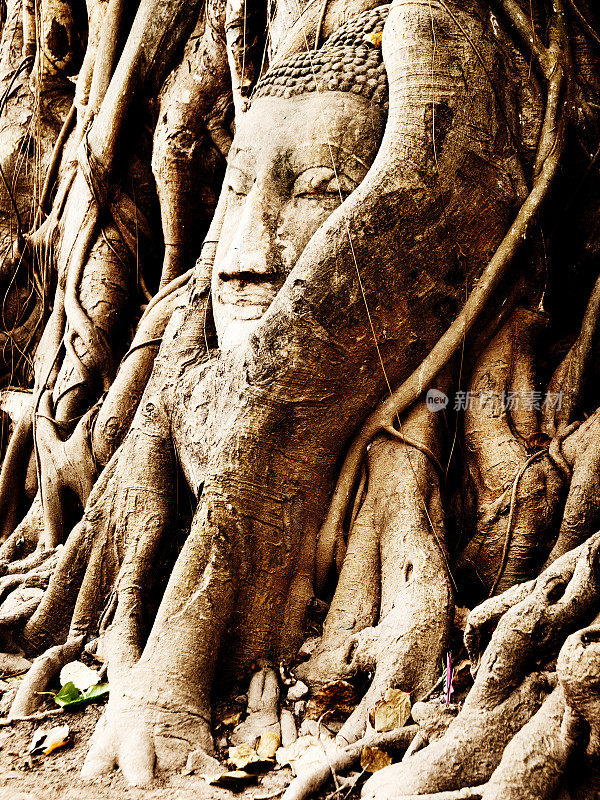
[517, 487]
[529, 748]
[243, 578]
[191, 140]
[485, 731]
[144, 725]
[395, 568]
[313, 779]
[533, 763]
[44, 669]
[578, 667]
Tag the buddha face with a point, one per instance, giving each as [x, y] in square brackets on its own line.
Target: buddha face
[291, 163]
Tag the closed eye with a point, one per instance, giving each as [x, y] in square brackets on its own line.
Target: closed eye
[321, 181]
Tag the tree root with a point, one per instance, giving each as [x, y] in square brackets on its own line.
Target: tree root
[483, 730]
[413, 597]
[44, 669]
[457, 794]
[314, 778]
[517, 491]
[394, 597]
[398, 574]
[21, 592]
[581, 514]
[551, 146]
[533, 763]
[12, 474]
[88, 356]
[529, 757]
[191, 140]
[577, 670]
[25, 538]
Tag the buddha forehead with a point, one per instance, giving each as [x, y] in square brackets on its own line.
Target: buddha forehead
[324, 107]
[310, 129]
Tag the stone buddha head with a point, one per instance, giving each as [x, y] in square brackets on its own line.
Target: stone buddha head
[313, 128]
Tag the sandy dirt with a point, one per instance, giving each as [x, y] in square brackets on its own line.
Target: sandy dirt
[56, 776]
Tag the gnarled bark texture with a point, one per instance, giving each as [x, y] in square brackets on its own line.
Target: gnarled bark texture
[300, 304]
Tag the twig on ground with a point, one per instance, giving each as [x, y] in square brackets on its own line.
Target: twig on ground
[53, 712]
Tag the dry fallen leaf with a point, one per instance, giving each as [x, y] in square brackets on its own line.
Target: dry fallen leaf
[462, 677]
[268, 744]
[242, 755]
[339, 698]
[245, 757]
[373, 759]
[230, 720]
[236, 779]
[45, 741]
[393, 711]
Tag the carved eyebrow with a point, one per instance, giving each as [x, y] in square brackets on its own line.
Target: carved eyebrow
[334, 151]
[237, 169]
[241, 155]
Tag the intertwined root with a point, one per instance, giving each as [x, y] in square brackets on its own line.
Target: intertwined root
[517, 488]
[392, 610]
[519, 728]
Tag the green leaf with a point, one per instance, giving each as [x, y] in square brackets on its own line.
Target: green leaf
[68, 695]
[95, 692]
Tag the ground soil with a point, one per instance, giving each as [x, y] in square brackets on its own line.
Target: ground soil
[56, 776]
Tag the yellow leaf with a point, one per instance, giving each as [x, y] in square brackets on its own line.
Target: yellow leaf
[373, 759]
[268, 745]
[242, 755]
[393, 711]
[45, 742]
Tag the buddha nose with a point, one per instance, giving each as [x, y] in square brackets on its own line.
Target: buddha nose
[249, 254]
[254, 262]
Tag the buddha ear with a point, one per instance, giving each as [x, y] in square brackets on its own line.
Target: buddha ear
[202, 271]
